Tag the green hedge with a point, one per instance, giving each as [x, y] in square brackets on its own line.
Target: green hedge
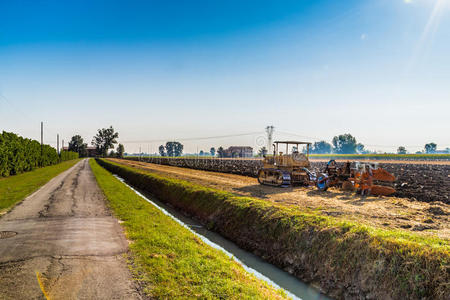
[347, 260]
[18, 154]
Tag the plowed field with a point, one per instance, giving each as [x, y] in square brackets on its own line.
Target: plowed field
[388, 212]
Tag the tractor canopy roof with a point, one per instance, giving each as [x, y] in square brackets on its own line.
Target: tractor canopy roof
[292, 142]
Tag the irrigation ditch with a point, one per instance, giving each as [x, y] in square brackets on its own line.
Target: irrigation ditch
[251, 263]
[346, 260]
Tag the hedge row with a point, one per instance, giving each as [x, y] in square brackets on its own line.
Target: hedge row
[18, 154]
[345, 259]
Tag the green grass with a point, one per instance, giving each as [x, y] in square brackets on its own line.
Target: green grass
[169, 260]
[15, 188]
[389, 263]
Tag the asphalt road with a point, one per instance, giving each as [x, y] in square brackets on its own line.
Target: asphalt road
[67, 246]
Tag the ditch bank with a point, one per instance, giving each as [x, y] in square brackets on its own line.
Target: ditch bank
[422, 182]
[346, 260]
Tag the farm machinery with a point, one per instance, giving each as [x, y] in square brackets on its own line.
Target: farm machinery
[366, 178]
[285, 170]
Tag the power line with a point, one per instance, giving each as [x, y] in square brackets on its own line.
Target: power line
[194, 138]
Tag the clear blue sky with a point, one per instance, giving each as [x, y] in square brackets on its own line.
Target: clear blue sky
[159, 70]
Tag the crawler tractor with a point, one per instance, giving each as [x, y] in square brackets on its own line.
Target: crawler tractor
[284, 170]
[365, 178]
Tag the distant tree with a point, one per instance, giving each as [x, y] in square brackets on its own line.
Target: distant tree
[105, 140]
[401, 150]
[201, 153]
[112, 153]
[76, 144]
[212, 151]
[220, 151]
[162, 150]
[174, 149]
[120, 151]
[344, 144]
[430, 148]
[321, 147]
[360, 149]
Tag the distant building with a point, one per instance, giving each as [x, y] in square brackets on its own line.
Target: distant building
[238, 151]
[92, 151]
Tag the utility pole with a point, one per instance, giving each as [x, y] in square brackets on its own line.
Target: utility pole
[42, 141]
[57, 143]
[62, 146]
[269, 131]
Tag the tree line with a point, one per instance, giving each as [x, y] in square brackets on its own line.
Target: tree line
[347, 144]
[19, 154]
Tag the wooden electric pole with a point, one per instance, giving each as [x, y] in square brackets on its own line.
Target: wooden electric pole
[42, 141]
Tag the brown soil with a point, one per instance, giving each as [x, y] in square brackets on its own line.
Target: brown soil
[385, 212]
[391, 161]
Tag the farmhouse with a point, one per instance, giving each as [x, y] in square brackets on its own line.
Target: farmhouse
[91, 151]
[238, 151]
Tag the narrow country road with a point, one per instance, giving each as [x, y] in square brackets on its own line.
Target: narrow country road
[67, 246]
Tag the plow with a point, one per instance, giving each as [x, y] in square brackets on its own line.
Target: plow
[365, 178]
[284, 170]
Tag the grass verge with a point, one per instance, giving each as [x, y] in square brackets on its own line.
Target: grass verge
[15, 188]
[344, 258]
[169, 260]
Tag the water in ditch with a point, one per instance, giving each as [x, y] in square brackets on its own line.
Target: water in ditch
[252, 263]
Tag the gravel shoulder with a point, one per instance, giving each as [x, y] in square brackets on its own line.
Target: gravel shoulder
[431, 219]
[67, 245]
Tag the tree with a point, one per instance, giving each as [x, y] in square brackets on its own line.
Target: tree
[212, 151]
[360, 148]
[162, 150]
[77, 144]
[174, 149]
[105, 140]
[120, 151]
[220, 151]
[401, 150]
[201, 153]
[321, 147]
[262, 151]
[344, 144]
[430, 148]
